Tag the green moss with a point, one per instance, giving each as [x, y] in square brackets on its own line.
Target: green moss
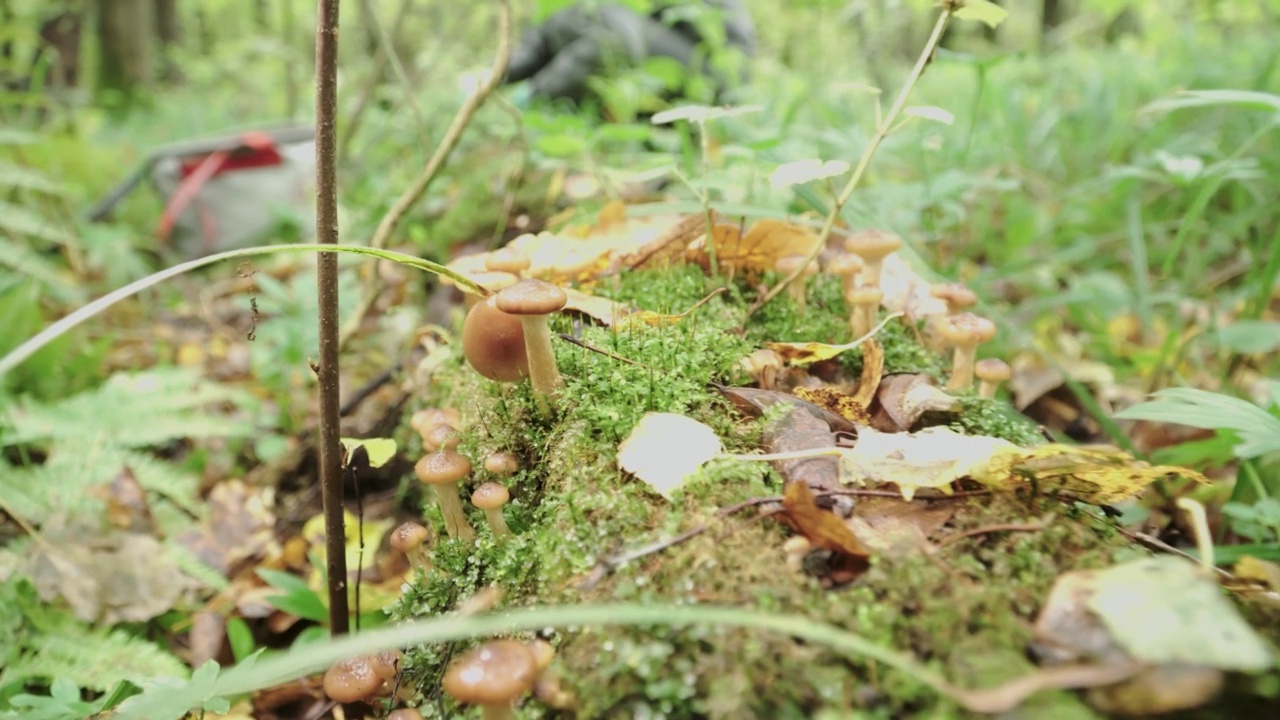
[966, 611]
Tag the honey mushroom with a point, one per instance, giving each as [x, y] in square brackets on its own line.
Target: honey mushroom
[441, 437]
[846, 266]
[493, 676]
[351, 680]
[533, 301]
[489, 280]
[864, 302]
[502, 463]
[966, 332]
[411, 539]
[990, 373]
[513, 261]
[442, 470]
[491, 497]
[873, 246]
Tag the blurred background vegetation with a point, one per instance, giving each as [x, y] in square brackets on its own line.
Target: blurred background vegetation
[1114, 228]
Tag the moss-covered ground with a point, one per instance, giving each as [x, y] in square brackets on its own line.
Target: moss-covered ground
[966, 610]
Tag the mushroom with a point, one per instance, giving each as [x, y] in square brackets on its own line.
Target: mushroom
[966, 332]
[990, 373]
[489, 280]
[490, 497]
[405, 714]
[788, 264]
[351, 680]
[493, 342]
[533, 301]
[956, 296]
[441, 437]
[507, 260]
[873, 246]
[386, 664]
[443, 469]
[846, 266]
[863, 302]
[411, 539]
[423, 420]
[493, 676]
[502, 463]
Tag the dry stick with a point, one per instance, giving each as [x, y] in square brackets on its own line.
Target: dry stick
[883, 128]
[327, 285]
[413, 193]
[1002, 527]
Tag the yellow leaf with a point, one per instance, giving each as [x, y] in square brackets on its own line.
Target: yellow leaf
[759, 250]
[932, 458]
[1092, 475]
[653, 319]
[664, 449]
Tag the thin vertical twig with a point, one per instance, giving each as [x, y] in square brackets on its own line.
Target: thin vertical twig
[327, 285]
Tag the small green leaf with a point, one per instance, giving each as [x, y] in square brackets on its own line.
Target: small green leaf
[560, 146]
[1251, 337]
[240, 637]
[1259, 431]
[983, 11]
[298, 599]
[380, 450]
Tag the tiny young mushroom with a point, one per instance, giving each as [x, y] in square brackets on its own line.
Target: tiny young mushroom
[351, 680]
[507, 260]
[441, 437]
[956, 296]
[490, 497]
[873, 246]
[788, 264]
[502, 463]
[493, 676]
[846, 266]
[442, 470]
[411, 539]
[534, 301]
[966, 332]
[423, 420]
[493, 342]
[864, 302]
[990, 373]
[386, 664]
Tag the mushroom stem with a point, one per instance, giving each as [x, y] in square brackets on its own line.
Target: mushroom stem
[543, 372]
[962, 366]
[505, 711]
[497, 523]
[988, 388]
[455, 518]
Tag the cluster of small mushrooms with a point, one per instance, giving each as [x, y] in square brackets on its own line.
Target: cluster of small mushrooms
[495, 676]
[859, 269]
[506, 338]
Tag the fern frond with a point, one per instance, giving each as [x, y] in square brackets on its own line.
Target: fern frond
[24, 223]
[25, 178]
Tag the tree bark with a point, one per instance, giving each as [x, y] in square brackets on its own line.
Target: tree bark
[124, 48]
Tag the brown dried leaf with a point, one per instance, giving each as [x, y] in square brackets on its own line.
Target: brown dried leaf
[895, 528]
[754, 402]
[127, 506]
[902, 399]
[800, 430]
[837, 402]
[1098, 476]
[821, 528]
[767, 241]
[669, 247]
[240, 527]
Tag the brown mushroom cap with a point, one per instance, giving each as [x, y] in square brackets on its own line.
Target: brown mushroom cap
[543, 653]
[441, 437]
[844, 264]
[490, 496]
[872, 245]
[351, 680]
[955, 295]
[502, 463]
[531, 297]
[992, 370]
[442, 467]
[864, 295]
[409, 536]
[386, 664]
[493, 342]
[966, 329]
[507, 260]
[493, 280]
[405, 714]
[495, 673]
[424, 420]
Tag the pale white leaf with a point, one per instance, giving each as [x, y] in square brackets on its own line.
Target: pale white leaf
[665, 449]
[701, 113]
[803, 171]
[931, 458]
[930, 112]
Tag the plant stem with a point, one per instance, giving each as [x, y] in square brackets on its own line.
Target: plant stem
[330, 466]
[883, 129]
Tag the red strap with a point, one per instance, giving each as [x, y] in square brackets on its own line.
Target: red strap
[188, 188]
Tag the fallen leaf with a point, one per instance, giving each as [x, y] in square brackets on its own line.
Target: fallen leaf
[846, 406]
[807, 353]
[669, 246]
[896, 528]
[603, 310]
[755, 402]
[127, 506]
[375, 592]
[240, 527]
[665, 449]
[903, 398]
[1093, 475]
[795, 430]
[766, 241]
[933, 458]
[823, 529]
[107, 577]
[1259, 571]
